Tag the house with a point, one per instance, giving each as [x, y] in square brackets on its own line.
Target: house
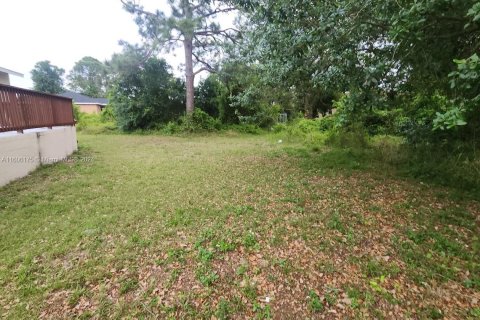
[5, 75]
[85, 103]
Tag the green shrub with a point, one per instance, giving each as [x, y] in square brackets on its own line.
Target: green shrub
[279, 127]
[88, 120]
[94, 124]
[211, 96]
[199, 121]
[246, 128]
[171, 128]
[381, 121]
[353, 136]
[264, 118]
[108, 114]
[452, 165]
[308, 131]
[306, 126]
[466, 82]
[146, 96]
[416, 121]
[327, 123]
[77, 114]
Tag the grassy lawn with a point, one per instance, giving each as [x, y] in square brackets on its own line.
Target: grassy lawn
[232, 227]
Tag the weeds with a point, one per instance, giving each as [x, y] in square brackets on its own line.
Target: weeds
[206, 276]
[128, 285]
[250, 240]
[315, 304]
[238, 218]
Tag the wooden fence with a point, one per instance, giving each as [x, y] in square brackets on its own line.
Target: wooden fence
[25, 109]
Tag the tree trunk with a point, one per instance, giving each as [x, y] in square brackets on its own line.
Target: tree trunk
[189, 75]
[307, 103]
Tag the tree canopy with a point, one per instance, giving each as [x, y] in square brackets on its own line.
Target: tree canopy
[47, 77]
[192, 25]
[412, 62]
[146, 96]
[89, 77]
[382, 52]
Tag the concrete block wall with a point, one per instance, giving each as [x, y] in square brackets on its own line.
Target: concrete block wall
[20, 154]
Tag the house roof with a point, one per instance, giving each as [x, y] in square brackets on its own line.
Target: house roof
[79, 98]
[13, 73]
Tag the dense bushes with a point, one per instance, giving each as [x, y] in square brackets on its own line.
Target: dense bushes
[96, 123]
[263, 116]
[198, 121]
[398, 79]
[211, 96]
[201, 122]
[147, 96]
[312, 132]
[454, 166]
[444, 162]
[394, 87]
[76, 112]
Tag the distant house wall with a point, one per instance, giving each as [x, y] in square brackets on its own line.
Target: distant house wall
[90, 108]
[4, 78]
[20, 154]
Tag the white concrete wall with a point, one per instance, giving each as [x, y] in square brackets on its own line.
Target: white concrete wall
[20, 154]
[4, 78]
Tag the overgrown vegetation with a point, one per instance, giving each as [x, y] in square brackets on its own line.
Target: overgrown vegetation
[458, 168]
[104, 122]
[144, 97]
[356, 145]
[377, 66]
[354, 194]
[234, 226]
[380, 65]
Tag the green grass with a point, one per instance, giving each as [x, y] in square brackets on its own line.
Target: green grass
[315, 304]
[213, 225]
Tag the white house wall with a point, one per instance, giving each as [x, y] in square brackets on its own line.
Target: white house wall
[20, 154]
[4, 78]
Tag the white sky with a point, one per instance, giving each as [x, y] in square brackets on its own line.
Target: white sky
[64, 31]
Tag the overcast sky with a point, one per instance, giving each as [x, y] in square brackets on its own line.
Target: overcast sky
[64, 31]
